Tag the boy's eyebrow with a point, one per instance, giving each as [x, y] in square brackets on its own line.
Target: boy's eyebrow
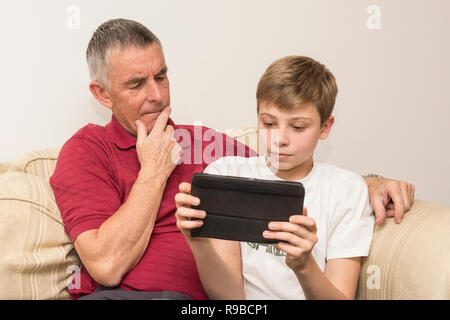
[301, 118]
[295, 118]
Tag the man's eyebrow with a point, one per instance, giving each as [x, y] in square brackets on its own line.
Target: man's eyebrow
[136, 80]
[162, 71]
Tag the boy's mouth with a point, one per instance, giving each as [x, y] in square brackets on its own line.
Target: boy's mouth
[280, 156]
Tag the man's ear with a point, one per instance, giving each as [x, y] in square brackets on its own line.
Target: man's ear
[326, 127]
[101, 94]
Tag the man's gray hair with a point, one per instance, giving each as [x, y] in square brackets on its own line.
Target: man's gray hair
[115, 34]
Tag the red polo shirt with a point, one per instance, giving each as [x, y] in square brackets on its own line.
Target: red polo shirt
[94, 174]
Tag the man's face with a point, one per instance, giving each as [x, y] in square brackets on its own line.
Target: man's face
[291, 136]
[139, 87]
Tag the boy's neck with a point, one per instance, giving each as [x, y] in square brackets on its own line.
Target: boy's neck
[296, 173]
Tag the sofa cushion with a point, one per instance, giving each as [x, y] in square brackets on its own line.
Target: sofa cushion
[36, 254]
[40, 163]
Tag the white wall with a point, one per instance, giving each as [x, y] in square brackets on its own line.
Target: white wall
[393, 108]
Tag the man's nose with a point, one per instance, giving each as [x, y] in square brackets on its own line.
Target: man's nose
[153, 91]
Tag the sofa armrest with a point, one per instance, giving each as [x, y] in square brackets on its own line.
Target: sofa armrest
[409, 260]
[4, 166]
[37, 257]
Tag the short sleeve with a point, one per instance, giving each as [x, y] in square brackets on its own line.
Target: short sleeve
[218, 167]
[84, 186]
[351, 222]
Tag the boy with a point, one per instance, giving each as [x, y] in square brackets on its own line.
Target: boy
[319, 253]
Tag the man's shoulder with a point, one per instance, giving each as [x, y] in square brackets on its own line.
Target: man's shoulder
[90, 131]
[87, 136]
[87, 144]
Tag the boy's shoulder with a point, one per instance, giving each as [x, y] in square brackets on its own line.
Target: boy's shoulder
[236, 166]
[336, 175]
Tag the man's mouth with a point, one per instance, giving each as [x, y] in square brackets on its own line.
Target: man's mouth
[151, 114]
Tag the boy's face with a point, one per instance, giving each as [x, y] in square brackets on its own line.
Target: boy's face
[290, 137]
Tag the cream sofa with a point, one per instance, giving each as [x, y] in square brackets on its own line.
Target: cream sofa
[37, 259]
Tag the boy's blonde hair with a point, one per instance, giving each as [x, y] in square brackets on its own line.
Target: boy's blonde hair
[293, 80]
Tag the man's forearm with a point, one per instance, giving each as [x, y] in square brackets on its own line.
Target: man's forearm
[123, 238]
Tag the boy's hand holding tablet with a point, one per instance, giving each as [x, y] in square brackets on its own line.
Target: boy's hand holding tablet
[293, 233]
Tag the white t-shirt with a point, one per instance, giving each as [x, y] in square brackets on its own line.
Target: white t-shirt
[338, 201]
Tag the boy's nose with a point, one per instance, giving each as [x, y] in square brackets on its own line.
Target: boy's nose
[282, 138]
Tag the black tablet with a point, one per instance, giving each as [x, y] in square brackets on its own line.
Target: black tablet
[240, 209]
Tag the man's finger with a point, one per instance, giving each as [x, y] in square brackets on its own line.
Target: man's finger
[410, 194]
[380, 211]
[405, 193]
[176, 154]
[141, 131]
[161, 121]
[397, 198]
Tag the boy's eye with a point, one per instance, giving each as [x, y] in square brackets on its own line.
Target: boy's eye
[298, 128]
[268, 124]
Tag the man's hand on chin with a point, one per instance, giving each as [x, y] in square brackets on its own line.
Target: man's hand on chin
[389, 198]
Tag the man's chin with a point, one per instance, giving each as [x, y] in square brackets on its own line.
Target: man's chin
[149, 119]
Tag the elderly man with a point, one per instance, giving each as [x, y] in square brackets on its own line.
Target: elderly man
[115, 185]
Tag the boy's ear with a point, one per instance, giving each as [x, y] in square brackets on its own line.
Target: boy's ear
[326, 127]
[100, 94]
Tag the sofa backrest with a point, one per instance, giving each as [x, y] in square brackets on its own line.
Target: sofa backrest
[38, 259]
[40, 163]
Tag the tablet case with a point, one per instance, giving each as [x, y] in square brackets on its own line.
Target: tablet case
[240, 209]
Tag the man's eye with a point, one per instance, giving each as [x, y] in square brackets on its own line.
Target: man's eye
[298, 128]
[268, 124]
[136, 86]
[160, 78]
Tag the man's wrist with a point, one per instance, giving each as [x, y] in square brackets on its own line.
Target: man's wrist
[146, 177]
[372, 175]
